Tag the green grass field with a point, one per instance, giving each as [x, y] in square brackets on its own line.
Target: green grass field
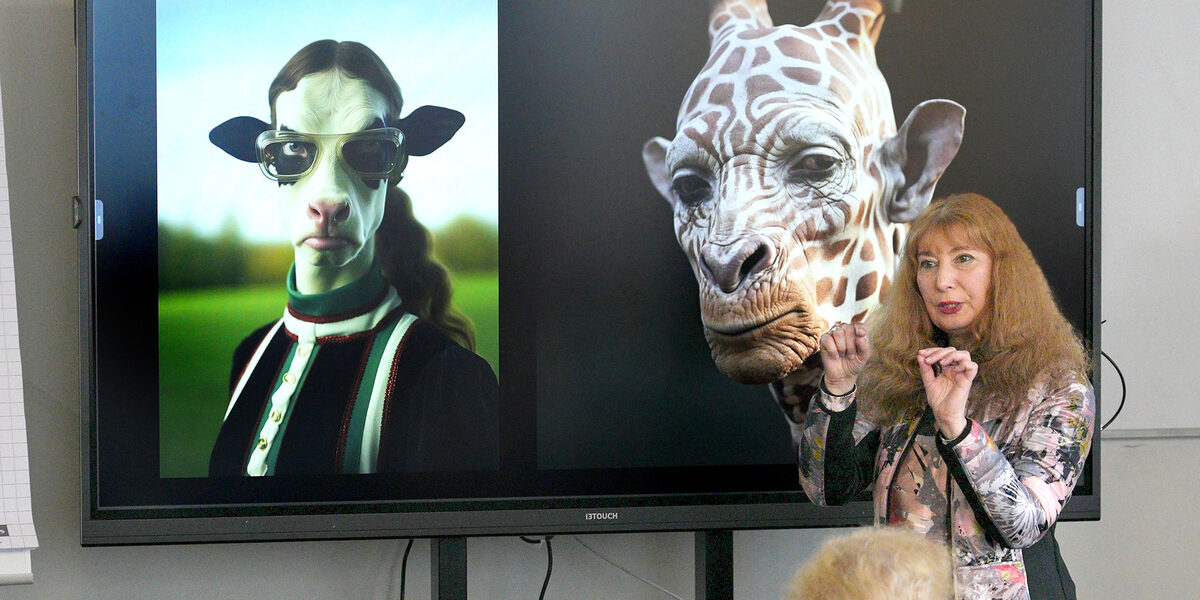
[198, 331]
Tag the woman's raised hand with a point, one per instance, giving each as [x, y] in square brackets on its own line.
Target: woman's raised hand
[947, 374]
[844, 351]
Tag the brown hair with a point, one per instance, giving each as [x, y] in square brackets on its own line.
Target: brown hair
[1020, 333]
[877, 563]
[402, 244]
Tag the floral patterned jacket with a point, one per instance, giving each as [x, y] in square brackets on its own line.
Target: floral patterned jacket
[1005, 479]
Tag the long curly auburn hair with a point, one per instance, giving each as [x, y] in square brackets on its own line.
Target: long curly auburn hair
[1020, 333]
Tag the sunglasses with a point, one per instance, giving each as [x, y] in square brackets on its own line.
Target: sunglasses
[286, 156]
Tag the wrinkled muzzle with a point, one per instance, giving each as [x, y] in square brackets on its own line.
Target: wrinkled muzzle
[757, 304]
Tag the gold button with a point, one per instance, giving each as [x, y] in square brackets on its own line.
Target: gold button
[262, 443]
[303, 351]
[289, 378]
[276, 416]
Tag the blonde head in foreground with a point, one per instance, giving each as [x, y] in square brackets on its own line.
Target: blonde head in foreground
[876, 563]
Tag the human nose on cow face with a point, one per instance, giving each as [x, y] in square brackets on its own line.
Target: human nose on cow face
[329, 201]
[326, 211]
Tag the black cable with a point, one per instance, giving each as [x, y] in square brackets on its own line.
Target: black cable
[549, 561]
[1122, 403]
[404, 566]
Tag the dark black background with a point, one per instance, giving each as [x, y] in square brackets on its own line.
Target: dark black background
[623, 372]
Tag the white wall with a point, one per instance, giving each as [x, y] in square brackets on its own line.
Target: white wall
[1143, 548]
[1150, 277]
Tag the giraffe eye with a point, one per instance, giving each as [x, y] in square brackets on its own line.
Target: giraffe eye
[815, 164]
[691, 189]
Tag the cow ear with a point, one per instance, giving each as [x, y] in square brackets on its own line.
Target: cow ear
[237, 136]
[428, 127]
[915, 159]
[654, 156]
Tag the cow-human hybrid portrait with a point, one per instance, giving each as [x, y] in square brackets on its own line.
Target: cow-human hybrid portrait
[791, 185]
[369, 369]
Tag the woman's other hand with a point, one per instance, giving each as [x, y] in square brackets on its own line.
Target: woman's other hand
[844, 350]
[947, 374]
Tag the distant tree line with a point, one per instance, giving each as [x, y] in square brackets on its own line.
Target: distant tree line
[467, 245]
[187, 259]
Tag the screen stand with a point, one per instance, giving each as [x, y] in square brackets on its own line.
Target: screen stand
[448, 568]
[714, 565]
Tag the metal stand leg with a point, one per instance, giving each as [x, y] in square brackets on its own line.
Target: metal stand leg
[714, 565]
[448, 568]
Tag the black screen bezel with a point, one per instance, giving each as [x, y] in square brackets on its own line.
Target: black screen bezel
[275, 510]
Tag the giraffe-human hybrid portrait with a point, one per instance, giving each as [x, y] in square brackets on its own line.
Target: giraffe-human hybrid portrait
[790, 183]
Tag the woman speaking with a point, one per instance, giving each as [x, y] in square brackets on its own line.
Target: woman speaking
[967, 405]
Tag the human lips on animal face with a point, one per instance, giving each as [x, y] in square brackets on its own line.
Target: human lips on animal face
[954, 279]
[332, 214]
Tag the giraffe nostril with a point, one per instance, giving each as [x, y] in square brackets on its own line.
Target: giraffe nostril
[751, 263]
[728, 267]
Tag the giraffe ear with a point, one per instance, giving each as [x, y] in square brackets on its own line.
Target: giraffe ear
[915, 159]
[654, 154]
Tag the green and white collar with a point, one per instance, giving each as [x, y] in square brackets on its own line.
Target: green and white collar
[353, 308]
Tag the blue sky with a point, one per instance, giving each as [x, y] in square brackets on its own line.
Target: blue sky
[216, 59]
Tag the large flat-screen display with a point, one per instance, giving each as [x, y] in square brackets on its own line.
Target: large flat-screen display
[428, 278]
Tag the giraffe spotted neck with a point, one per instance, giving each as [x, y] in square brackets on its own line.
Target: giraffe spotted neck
[790, 183]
